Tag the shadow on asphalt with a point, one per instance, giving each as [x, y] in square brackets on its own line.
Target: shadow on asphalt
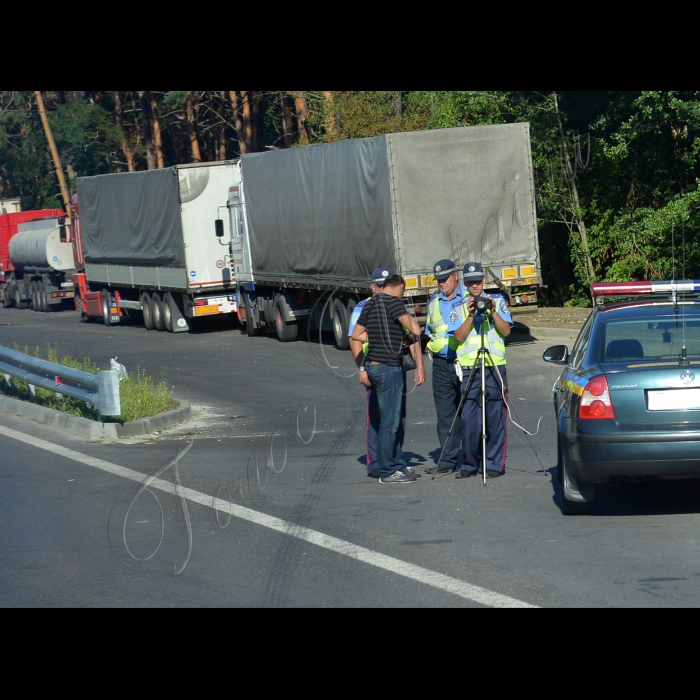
[657, 497]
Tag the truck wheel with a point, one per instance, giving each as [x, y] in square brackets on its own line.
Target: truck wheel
[250, 324]
[147, 310]
[340, 324]
[41, 296]
[286, 332]
[19, 302]
[158, 320]
[167, 312]
[106, 307]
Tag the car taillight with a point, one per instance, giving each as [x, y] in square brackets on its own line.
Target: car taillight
[595, 401]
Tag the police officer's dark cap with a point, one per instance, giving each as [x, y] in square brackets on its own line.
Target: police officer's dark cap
[381, 275]
[473, 272]
[443, 269]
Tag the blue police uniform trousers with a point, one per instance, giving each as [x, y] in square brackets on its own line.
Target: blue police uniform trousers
[447, 394]
[372, 421]
[496, 434]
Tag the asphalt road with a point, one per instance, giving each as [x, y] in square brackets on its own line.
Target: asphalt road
[312, 530]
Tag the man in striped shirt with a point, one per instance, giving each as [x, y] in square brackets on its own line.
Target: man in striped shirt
[383, 319]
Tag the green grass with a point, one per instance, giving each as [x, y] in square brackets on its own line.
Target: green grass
[140, 395]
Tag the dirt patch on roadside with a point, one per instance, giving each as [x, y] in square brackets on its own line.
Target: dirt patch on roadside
[551, 317]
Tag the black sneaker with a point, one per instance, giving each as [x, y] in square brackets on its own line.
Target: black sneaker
[375, 473]
[464, 474]
[493, 473]
[397, 478]
[441, 470]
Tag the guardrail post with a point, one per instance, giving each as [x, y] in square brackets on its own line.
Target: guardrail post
[8, 380]
[108, 392]
[32, 392]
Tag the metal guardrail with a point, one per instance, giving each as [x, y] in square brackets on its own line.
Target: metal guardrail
[101, 389]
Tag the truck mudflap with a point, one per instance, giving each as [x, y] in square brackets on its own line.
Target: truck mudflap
[209, 306]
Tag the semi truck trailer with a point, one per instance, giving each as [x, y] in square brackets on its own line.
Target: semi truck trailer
[146, 249]
[307, 224]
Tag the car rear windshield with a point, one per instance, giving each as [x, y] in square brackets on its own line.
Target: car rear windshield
[650, 337]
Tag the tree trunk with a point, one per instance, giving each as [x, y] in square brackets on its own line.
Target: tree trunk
[287, 120]
[398, 109]
[222, 133]
[580, 225]
[331, 120]
[247, 120]
[145, 101]
[192, 131]
[119, 116]
[302, 118]
[54, 152]
[156, 132]
[255, 120]
[236, 101]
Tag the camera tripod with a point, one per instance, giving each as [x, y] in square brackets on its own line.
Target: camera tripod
[479, 360]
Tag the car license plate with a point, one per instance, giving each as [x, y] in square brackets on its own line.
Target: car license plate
[674, 399]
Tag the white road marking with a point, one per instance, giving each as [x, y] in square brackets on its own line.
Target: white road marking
[460, 588]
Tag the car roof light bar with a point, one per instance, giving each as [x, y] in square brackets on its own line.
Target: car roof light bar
[638, 289]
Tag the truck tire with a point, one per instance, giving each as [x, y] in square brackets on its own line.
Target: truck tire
[41, 296]
[286, 332]
[168, 303]
[19, 302]
[147, 310]
[158, 319]
[106, 307]
[251, 329]
[340, 324]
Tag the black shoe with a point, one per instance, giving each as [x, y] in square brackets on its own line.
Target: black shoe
[464, 474]
[441, 470]
[493, 473]
[375, 474]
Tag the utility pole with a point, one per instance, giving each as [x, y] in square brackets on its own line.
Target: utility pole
[54, 153]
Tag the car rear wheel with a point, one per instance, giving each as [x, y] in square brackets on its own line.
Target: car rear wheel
[569, 507]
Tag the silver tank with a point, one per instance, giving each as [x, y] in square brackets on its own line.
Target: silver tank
[38, 244]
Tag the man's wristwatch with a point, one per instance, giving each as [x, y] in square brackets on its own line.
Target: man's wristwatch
[363, 368]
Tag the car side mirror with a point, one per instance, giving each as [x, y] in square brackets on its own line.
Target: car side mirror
[558, 354]
[219, 225]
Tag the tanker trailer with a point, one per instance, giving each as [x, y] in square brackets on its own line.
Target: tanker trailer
[42, 257]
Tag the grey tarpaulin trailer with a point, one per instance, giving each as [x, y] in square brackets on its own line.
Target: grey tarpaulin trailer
[308, 220]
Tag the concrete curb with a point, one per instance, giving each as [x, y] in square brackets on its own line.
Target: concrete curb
[92, 429]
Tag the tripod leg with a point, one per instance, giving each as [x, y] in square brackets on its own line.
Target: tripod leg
[483, 415]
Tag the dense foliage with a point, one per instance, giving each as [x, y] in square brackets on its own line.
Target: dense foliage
[616, 173]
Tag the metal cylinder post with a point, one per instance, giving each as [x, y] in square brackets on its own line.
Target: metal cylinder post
[108, 392]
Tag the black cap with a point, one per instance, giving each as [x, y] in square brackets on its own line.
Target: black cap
[443, 269]
[473, 272]
[381, 274]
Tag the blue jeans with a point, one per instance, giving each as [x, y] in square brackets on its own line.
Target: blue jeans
[388, 389]
[372, 420]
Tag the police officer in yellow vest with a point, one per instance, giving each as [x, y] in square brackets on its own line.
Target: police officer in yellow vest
[447, 311]
[497, 324]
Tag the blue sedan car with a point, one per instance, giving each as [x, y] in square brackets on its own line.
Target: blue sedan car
[628, 401]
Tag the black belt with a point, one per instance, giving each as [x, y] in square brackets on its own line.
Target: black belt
[444, 359]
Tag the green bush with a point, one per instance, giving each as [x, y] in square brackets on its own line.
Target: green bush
[140, 396]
